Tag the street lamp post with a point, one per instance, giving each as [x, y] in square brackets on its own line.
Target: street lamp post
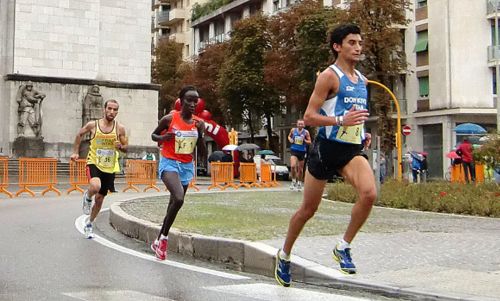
[497, 64]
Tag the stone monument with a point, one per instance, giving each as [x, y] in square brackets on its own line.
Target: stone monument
[93, 105]
[30, 117]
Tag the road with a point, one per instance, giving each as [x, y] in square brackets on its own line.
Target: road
[44, 256]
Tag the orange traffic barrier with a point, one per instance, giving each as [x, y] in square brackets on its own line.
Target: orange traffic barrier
[222, 175]
[77, 175]
[141, 172]
[266, 175]
[458, 175]
[4, 176]
[248, 175]
[37, 172]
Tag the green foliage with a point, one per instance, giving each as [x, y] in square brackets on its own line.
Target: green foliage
[381, 22]
[204, 9]
[298, 35]
[489, 153]
[246, 97]
[169, 71]
[482, 200]
[207, 67]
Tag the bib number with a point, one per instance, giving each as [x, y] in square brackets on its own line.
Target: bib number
[299, 140]
[105, 157]
[185, 142]
[350, 134]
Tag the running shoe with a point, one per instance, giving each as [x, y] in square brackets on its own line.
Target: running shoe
[89, 231]
[299, 186]
[343, 257]
[282, 271]
[160, 249]
[86, 203]
[154, 245]
[293, 185]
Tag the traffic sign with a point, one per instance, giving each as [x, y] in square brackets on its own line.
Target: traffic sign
[406, 130]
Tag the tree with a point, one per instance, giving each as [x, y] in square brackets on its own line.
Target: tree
[206, 72]
[245, 95]
[381, 23]
[168, 71]
[298, 35]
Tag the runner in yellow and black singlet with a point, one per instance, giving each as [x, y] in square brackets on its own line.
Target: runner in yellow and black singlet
[108, 136]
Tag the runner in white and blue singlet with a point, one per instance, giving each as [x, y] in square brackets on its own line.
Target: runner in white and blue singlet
[338, 107]
[349, 96]
[299, 139]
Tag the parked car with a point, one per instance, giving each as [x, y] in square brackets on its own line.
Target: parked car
[282, 172]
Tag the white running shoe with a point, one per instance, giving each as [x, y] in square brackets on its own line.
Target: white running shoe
[299, 186]
[86, 203]
[89, 231]
[293, 185]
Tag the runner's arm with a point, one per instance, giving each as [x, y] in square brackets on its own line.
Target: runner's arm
[122, 143]
[308, 138]
[162, 127]
[89, 127]
[290, 135]
[200, 125]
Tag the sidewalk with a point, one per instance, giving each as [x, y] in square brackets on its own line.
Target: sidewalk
[433, 257]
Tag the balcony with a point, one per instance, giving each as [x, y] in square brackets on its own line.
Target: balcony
[163, 17]
[492, 7]
[179, 37]
[175, 15]
[493, 54]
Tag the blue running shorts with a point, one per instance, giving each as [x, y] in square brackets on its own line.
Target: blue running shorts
[184, 170]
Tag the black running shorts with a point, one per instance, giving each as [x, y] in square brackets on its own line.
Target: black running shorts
[327, 157]
[107, 179]
[300, 155]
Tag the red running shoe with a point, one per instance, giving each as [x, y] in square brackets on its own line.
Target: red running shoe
[160, 248]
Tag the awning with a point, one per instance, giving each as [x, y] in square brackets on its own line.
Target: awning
[422, 41]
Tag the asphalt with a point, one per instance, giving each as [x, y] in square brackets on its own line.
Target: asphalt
[440, 257]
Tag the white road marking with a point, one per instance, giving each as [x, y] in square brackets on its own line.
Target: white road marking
[268, 292]
[124, 295]
[80, 223]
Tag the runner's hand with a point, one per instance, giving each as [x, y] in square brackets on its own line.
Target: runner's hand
[74, 157]
[167, 136]
[355, 117]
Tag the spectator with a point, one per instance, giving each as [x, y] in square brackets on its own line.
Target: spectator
[464, 150]
[227, 157]
[149, 157]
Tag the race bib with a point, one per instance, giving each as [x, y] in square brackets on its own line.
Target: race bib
[105, 157]
[299, 140]
[350, 134]
[185, 142]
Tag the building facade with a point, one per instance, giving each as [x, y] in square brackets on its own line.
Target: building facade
[70, 52]
[451, 79]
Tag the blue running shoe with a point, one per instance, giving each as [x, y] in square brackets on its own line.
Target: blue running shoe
[282, 271]
[343, 257]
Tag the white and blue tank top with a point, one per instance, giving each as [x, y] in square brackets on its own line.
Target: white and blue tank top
[349, 94]
[299, 140]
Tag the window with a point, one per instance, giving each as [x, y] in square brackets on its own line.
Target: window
[421, 3]
[423, 87]
[422, 41]
[494, 80]
[276, 5]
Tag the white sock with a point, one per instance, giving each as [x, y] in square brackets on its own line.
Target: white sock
[284, 255]
[163, 237]
[342, 245]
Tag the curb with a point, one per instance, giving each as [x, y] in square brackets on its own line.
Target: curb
[252, 257]
[259, 258]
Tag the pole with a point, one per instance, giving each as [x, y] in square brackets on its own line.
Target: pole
[496, 49]
[398, 128]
